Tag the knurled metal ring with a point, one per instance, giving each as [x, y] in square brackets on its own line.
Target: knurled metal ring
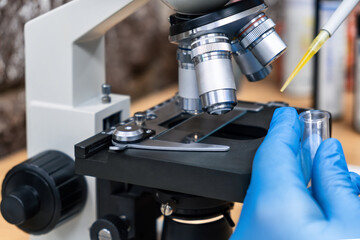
[256, 33]
[209, 38]
[213, 47]
[252, 24]
[211, 56]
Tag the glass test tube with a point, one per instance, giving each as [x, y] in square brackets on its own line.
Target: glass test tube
[315, 127]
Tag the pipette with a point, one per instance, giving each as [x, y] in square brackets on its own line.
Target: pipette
[325, 33]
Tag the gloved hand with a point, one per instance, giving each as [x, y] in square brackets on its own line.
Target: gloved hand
[278, 204]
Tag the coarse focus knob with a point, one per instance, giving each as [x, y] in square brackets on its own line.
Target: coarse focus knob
[42, 192]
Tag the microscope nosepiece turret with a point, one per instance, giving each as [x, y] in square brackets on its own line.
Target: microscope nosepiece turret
[240, 29]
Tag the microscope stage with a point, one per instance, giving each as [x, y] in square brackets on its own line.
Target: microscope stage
[220, 175]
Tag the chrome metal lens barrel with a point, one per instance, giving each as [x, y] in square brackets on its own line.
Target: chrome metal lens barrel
[248, 63]
[260, 38]
[211, 54]
[189, 99]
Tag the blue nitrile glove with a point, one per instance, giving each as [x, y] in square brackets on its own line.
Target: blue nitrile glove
[278, 204]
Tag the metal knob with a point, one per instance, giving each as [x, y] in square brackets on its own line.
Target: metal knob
[104, 234]
[106, 90]
[167, 208]
[140, 118]
[128, 133]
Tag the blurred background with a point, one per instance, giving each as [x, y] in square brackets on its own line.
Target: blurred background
[141, 61]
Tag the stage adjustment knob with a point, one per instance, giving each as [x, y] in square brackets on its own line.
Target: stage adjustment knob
[42, 192]
[110, 227]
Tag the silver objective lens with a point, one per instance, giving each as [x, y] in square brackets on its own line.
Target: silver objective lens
[260, 38]
[211, 54]
[248, 63]
[189, 99]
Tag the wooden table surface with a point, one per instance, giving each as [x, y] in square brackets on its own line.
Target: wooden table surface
[263, 91]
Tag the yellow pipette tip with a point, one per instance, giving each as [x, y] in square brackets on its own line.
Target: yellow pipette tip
[288, 81]
[320, 39]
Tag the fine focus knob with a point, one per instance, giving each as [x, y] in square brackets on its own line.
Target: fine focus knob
[42, 192]
[20, 205]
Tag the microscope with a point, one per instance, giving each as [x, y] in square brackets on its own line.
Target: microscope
[187, 159]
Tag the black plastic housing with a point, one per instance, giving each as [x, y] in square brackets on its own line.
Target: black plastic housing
[42, 192]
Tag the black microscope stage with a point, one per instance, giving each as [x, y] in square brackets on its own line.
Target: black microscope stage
[221, 175]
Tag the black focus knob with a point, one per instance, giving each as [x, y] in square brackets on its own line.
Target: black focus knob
[20, 205]
[109, 227]
[42, 192]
